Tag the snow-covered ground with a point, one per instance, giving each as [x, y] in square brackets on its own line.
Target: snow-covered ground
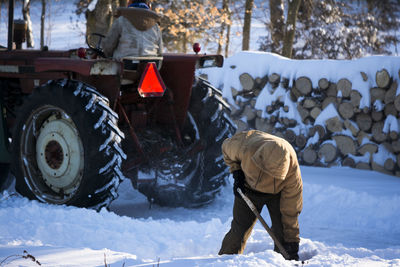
[350, 218]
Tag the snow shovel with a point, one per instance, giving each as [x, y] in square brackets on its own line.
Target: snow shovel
[254, 210]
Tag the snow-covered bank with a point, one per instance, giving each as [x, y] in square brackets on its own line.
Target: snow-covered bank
[350, 218]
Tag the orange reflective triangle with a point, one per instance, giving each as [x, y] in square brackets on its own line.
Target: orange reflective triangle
[151, 84]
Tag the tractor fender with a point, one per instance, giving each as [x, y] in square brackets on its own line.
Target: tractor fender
[178, 74]
[84, 67]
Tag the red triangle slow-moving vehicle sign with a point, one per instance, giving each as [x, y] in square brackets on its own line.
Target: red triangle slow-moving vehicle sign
[151, 84]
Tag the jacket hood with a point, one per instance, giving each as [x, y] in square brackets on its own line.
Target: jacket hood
[273, 159]
[142, 19]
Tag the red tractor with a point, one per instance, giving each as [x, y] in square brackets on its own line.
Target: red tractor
[81, 124]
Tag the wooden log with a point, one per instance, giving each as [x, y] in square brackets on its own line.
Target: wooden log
[382, 78]
[279, 134]
[286, 121]
[261, 82]
[309, 155]
[334, 124]
[361, 136]
[389, 165]
[309, 103]
[390, 94]
[346, 110]
[318, 129]
[300, 141]
[365, 110]
[294, 94]
[256, 92]
[363, 166]
[393, 136]
[397, 102]
[314, 113]
[241, 126]
[377, 94]
[327, 153]
[355, 98]
[253, 102]
[235, 92]
[345, 144]
[286, 108]
[274, 78]
[332, 90]
[349, 162]
[396, 146]
[323, 84]
[328, 100]
[272, 119]
[377, 115]
[344, 86]
[290, 136]
[390, 110]
[364, 76]
[368, 148]
[379, 168]
[364, 121]
[235, 111]
[350, 126]
[303, 85]
[377, 132]
[285, 83]
[263, 125]
[269, 109]
[292, 123]
[304, 113]
[247, 81]
[398, 160]
[249, 113]
[388, 146]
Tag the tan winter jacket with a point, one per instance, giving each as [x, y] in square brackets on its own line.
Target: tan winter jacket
[270, 166]
[134, 33]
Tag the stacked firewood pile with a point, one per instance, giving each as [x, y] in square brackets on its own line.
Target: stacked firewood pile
[329, 125]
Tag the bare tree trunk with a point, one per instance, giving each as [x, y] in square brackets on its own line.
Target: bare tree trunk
[42, 17]
[123, 3]
[290, 28]
[228, 31]
[277, 26]
[228, 39]
[100, 19]
[247, 24]
[184, 42]
[225, 10]
[27, 17]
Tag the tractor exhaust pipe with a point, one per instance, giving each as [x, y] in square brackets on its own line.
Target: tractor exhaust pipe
[10, 24]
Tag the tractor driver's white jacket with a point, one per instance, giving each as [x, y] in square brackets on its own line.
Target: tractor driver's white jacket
[134, 33]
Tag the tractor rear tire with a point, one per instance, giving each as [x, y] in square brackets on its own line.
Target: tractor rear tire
[5, 179]
[196, 177]
[66, 146]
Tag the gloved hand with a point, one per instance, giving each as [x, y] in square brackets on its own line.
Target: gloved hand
[292, 248]
[238, 177]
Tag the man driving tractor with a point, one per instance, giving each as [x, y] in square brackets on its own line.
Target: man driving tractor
[134, 33]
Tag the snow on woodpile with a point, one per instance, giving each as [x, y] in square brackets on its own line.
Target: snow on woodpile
[334, 112]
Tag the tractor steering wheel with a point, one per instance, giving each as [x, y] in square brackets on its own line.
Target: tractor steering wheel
[93, 45]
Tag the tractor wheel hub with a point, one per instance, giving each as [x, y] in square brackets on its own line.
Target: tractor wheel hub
[59, 154]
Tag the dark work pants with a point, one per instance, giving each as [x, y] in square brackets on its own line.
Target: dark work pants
[244, 220]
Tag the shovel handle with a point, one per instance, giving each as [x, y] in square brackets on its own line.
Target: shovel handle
[261, 219]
